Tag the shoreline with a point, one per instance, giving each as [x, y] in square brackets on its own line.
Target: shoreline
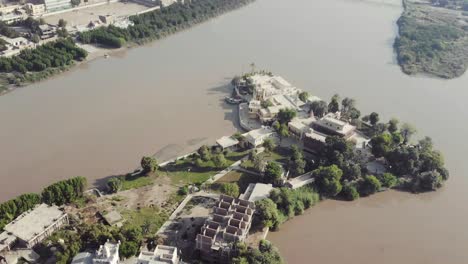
[102, 51]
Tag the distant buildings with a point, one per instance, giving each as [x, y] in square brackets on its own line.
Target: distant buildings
[106, 254]
[161, 255]
[47, 31]
[33, 226]
[57, 5]
[229, 223]
[35, 9]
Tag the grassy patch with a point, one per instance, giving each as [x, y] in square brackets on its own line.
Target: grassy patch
[243, 179]
[278, 154]
[150, 219]
[188, 171]
[134, 182]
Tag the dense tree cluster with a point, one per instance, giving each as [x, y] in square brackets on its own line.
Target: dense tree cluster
[283, 204]
[265, 254]
[297, 163]
[293, 202]
[161, 22]
[63, 192]
[418, 42]
[231, 189]
[417, 163]
[50, 55]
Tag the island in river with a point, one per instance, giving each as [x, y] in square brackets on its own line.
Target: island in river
[311, 150]
[433, 38]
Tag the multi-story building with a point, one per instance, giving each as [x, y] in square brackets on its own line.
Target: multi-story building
[57, 5]
[229, 223]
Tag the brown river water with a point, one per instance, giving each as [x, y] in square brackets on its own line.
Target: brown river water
[166, 98]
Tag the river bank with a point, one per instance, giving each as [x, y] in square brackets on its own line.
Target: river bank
[98, 40]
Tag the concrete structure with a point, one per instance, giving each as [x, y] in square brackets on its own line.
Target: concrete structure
[7, 241]
[113, 218]
[57, 5]
[47, 31]
[106, 254]
[17, 42]
[331, 125]
[161, 255]
[256, 191]
[230, 222]
[257, 137]
[35, 10]
[21, 256]
[227, 142]
[300, 181]
[277, 92]
[35, 225]
[11, 17]
[83, 258]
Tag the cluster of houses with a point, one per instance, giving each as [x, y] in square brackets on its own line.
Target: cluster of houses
[273, 93]
[19, 238]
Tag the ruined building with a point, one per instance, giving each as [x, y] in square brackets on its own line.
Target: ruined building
[229, 223]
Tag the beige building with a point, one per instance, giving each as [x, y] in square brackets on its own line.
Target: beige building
[229, 223]
[161, 255]
[35, 10]
[33, 226]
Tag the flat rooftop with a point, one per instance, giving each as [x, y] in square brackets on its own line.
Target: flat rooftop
[34, 222]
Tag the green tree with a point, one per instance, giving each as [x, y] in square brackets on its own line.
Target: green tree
[381, 144]
[62, 23]
[128, 249]
[388, 180]
[149, 164]
[319, 108]
[427, 181]
[393, 125]
[296, 163]
[349, 192]
[114, 184]
[374, 118]
[267, 213]
[304, 96]
[269, 144]
[407, 131]
[328, 180]
[283, 132]
[347, 104]
[285, 115]
[273, 172]
[220, 161]
[259, 163]
[334, 106]
[205, 153]
[231, 189]
[369, 185]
